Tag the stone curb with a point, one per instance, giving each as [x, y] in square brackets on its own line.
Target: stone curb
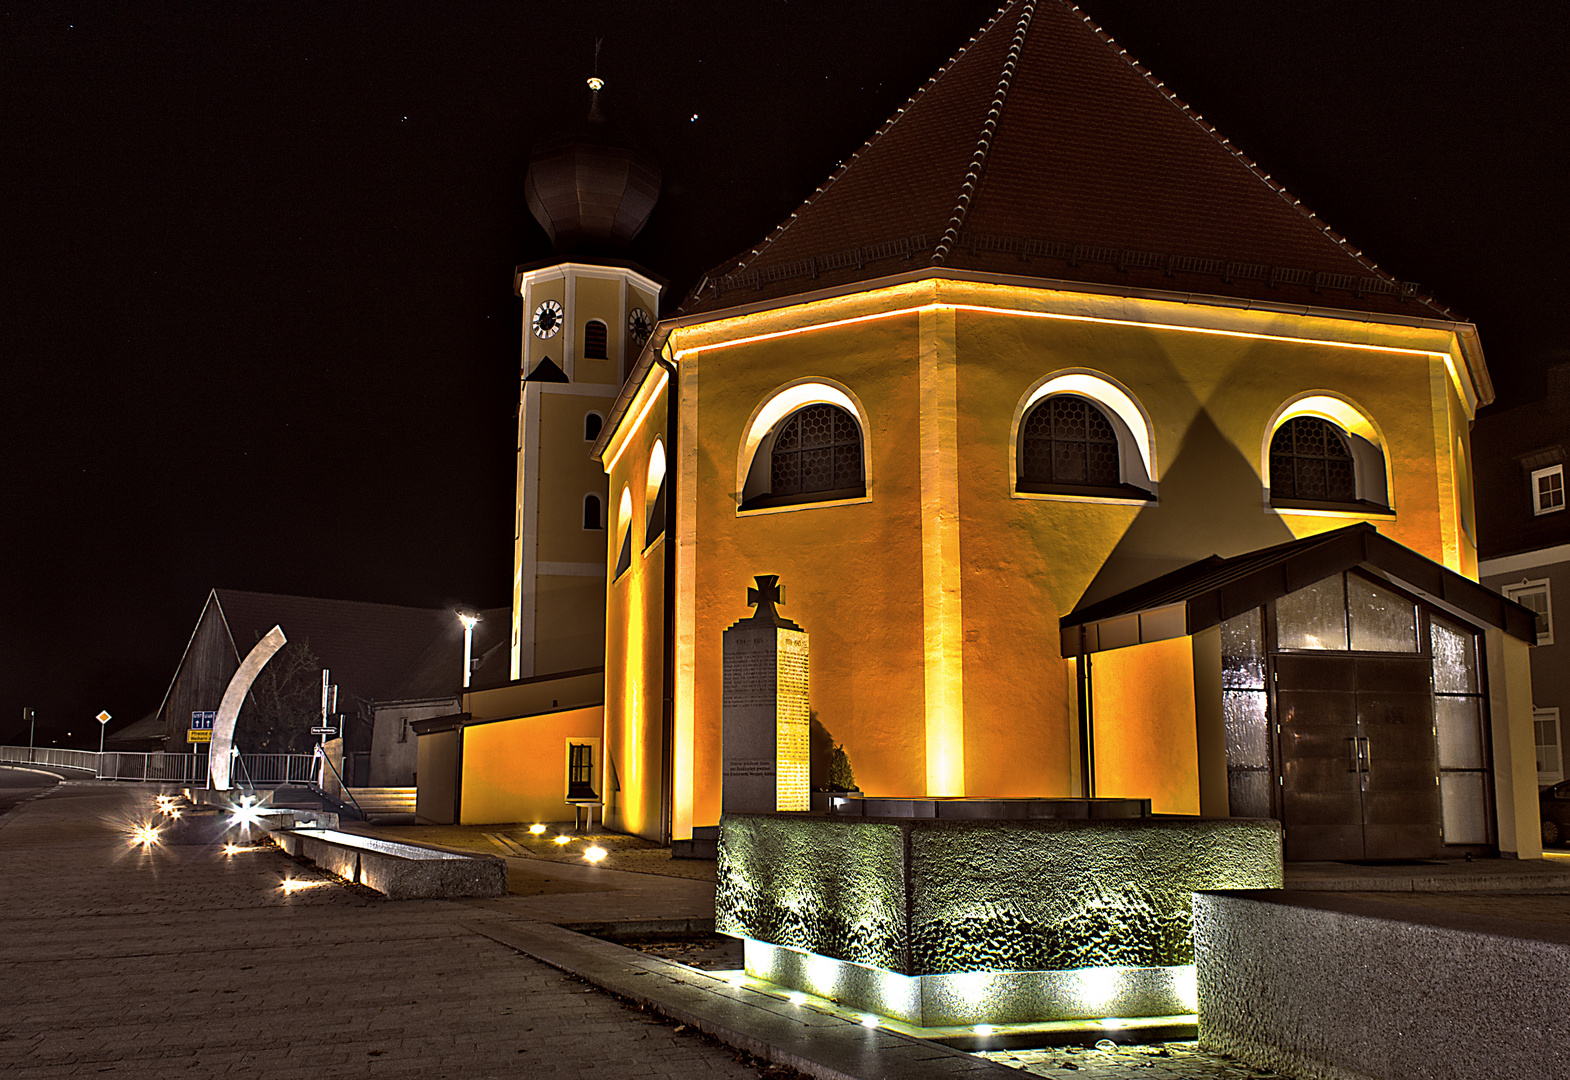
[819, 1044]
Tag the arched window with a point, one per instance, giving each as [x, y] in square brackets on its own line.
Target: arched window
[654, 496]
[594, 338]
[592, 423]
[813, 455]
[624, 533]
[1068, 445]
[592, 518]
[1314, 464]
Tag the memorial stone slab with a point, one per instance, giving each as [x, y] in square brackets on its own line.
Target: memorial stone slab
[765, 712]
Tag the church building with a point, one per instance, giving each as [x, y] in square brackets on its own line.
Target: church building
[1091, 461]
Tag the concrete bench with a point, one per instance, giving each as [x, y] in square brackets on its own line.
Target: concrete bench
[400, 871]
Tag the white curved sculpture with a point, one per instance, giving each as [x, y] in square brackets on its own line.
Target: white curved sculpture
[221, 753]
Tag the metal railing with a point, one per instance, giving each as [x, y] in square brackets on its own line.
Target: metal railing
[263, 770]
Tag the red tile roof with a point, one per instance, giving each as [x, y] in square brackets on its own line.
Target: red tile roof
[1042, 149]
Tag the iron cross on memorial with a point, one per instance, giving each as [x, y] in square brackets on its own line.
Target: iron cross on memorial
[768, 593]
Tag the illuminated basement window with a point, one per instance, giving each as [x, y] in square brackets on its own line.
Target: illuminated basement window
[580, 771]
[1314, 465]
[594, 338]
[814, 455]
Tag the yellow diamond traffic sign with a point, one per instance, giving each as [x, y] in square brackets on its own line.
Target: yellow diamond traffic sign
[104, 717]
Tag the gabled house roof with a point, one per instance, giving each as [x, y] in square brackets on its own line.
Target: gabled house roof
[1042, 149]
[1208, 592]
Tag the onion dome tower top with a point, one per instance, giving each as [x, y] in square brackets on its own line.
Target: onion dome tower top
[590, 191]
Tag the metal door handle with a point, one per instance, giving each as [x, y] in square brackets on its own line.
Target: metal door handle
[1368, 759]
[1356, 755]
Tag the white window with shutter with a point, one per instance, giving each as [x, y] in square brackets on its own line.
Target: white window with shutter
[1550, 760]
[1537, 596]
[1548, 489]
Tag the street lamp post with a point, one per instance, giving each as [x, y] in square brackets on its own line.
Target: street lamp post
[31, 716]
[468, 644]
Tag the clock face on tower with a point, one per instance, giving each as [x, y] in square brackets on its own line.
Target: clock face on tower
[547, 319]
[639, 325]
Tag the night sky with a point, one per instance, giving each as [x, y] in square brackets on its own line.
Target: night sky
[256, 319]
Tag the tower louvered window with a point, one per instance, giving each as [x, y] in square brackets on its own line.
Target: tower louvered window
[1068, 442]
[817, 453]
[594, 338]
[1310, 460]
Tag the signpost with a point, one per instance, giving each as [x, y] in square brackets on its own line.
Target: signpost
[103, 725]
[201, 727]
[32, 719]
[329, 703]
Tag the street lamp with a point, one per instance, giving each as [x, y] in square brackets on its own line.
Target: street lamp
[468, 644]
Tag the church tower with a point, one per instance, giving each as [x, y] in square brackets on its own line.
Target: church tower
[586, 314]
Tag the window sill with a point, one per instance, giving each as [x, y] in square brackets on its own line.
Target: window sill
[1315, 508]
[1122, 495]
[767, 505]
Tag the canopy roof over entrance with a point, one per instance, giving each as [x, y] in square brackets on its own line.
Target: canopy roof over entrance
[1208, 592]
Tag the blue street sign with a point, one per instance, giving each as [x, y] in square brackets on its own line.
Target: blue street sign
[203, 721]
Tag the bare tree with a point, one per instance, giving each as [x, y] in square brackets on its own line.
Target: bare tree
[285, 703]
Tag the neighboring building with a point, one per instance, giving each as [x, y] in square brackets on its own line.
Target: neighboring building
[1524, 542]
[991, 402]
[379, 655]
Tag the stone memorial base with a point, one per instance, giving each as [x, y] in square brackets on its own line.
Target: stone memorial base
[966, 911]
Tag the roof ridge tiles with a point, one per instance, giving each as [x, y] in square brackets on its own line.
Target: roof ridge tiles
[989, 128]
[845, 165]
[1243, 159]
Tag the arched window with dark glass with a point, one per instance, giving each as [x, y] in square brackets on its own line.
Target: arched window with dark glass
[1314, 463]
[594, 338]
[1068, 445]
[592, 423]
[591, 513]
[814, 454]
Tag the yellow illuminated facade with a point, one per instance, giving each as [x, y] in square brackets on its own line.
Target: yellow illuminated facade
[871, 402]
[933, 596]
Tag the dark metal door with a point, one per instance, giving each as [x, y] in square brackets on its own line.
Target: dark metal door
[1400, 767]
[1321, 786]
[1359, 765]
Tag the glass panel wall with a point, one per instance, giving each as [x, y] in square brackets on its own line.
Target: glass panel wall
[1313, 618]
[1458, 719]
[1378, 619]
[1245, 713]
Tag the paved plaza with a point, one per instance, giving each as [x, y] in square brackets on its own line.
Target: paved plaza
[182, 960]
[150, 961]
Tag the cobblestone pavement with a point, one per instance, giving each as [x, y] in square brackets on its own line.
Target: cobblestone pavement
[141, 962]
[1166, 1061]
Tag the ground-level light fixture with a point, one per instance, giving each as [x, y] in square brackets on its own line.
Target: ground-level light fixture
[562, 840]
[143, 835]
[536, 829]
[594, 854]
